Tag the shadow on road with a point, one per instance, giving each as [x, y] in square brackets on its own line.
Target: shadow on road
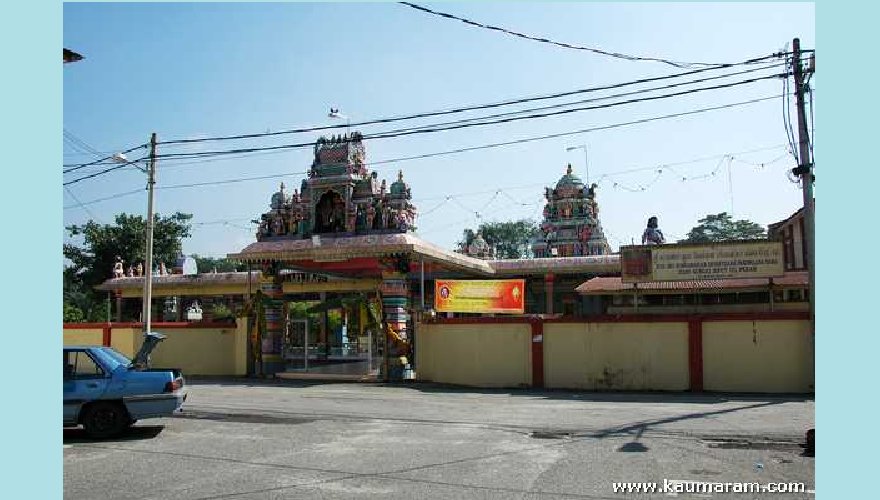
[622, 397]
[136, 433]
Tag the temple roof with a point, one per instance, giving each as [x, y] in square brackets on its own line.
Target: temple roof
[569, 179]
[615, 286]
[327, 248]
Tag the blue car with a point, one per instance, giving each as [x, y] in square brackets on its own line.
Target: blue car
[106, 393]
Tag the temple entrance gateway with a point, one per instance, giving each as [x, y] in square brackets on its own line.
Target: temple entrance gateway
[332, 336]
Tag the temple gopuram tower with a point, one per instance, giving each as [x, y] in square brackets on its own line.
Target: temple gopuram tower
[571, 226]
[340, 197]
[339, 201]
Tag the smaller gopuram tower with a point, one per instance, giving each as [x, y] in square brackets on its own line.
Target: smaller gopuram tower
[571, 226]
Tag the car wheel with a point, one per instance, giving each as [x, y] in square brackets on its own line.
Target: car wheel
[104, 419]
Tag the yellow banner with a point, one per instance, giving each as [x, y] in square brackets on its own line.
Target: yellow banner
[480, 296]
[690, 262]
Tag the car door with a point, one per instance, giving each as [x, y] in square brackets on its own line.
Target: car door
[85, 380]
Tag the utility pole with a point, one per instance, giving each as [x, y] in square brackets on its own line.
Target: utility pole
[148, 280]
[805, 171]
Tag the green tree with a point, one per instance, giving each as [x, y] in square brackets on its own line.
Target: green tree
[91, 261]
[722, 227]
[222, 264]
[511, 239]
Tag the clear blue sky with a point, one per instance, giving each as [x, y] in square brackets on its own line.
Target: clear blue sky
[193, 70]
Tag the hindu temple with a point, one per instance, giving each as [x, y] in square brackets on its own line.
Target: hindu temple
[571, 226]
[339, 197]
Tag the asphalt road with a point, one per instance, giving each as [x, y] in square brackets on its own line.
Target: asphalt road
[243, 440]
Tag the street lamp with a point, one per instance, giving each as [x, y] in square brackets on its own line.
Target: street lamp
[586, 160]
[148, 264]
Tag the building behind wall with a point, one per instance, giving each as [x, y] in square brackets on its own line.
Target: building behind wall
[791, 232]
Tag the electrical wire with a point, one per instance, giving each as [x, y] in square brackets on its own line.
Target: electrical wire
[594, 50]
[230, 181]
[468, 108]
[604, 98]
[106, 198]
[501, 144]
[453, 126]
[77, 166]
[80, 204]
[102, 172]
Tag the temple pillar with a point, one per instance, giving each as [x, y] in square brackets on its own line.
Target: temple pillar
[395, 304]
[118, 295]
[548, 292]
[273, 361]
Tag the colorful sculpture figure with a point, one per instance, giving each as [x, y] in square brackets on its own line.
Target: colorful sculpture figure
[652, 234]
[118, 271]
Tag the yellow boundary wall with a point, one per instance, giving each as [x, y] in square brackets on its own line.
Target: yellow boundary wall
[757, 356]
[616, 356]
[214, 350]
[483, 355]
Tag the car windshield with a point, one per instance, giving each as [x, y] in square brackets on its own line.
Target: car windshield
[115, 356]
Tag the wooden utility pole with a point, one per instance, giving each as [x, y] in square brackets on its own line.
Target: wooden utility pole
[805, 171]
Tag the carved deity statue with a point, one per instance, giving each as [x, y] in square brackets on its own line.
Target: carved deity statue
[652, 234]
[118, 268]
[278, 225]
[139, 270]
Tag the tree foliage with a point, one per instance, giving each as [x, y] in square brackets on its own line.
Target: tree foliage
[91, 262]
[722, 227]
[511, 239]
[222, 264]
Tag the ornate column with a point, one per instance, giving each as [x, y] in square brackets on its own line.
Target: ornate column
[395, 303]
[548, 292]
[272, 337]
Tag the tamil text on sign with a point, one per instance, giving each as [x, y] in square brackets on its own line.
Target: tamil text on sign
[758, 259]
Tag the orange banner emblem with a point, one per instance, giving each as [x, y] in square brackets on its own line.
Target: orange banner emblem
[480, 296]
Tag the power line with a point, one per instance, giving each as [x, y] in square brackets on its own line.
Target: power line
[603, 98]
[558, 44]
[475, 107]
[457, 125]
[490, 146]
[565, 134]
[80, 204]
[77, 166]
[231, 181]
[106, 198]
[102, 172]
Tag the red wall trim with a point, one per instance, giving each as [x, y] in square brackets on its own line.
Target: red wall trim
[695, 354]
[107, 335]
[632, 318]
[537, 354]
[89, 326]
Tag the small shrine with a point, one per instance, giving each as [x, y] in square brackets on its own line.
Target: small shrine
[477, 248]
[339, 197]
[571, 226]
